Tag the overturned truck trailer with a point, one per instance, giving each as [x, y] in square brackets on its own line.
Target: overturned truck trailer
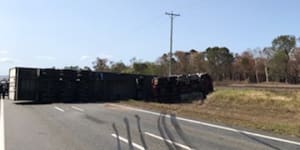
[55, 85]
[62, 85]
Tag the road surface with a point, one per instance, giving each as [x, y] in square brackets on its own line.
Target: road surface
[89, 126]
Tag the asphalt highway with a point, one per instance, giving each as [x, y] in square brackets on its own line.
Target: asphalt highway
[109, 126]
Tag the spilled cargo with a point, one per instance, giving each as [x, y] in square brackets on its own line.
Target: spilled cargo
[182, 88]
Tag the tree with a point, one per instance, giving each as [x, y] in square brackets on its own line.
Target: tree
[258, 63]
[248, 65]
[283, 46]
[145, 68]
[278, 68]
[219, 62]
[260, 69]
[182, 63]
[244, 66]
[86, 68]
[267, 54]
[163, 64]
[294, 66]
[76, 68]
[139, 67]
[189, 62]
[118, 67]
[197, 61]
[100, 64]
[237, 73]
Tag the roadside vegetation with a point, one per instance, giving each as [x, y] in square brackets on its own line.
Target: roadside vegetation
[276, 111]
[277, 62]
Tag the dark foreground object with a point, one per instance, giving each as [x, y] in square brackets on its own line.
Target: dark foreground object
[53, 85]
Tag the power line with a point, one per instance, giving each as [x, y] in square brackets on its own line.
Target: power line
[172, 15]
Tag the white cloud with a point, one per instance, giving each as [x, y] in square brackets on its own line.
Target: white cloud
[91, 58]
[45, 57]
[7, 60]
[3, 52]
[105, 56]
[84, 57]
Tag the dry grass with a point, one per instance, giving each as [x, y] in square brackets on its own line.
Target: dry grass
[274, 111]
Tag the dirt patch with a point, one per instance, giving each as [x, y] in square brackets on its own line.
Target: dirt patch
[115, 107]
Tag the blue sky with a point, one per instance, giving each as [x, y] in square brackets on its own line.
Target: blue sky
[46, 33]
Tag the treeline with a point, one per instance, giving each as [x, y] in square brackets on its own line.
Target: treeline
[279, 62]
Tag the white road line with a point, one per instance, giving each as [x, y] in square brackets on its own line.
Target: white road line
[77, 108]
[2, 134]
[169, 141]
[216, 126]
[60, 109]
[126, 141]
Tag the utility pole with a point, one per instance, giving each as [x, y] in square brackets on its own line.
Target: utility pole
[172, 15]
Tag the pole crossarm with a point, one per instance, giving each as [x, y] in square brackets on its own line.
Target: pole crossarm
[172, 14]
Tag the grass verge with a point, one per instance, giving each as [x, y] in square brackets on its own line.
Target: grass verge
[267, 110]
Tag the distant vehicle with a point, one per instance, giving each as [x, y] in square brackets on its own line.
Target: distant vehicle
[4, 84]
